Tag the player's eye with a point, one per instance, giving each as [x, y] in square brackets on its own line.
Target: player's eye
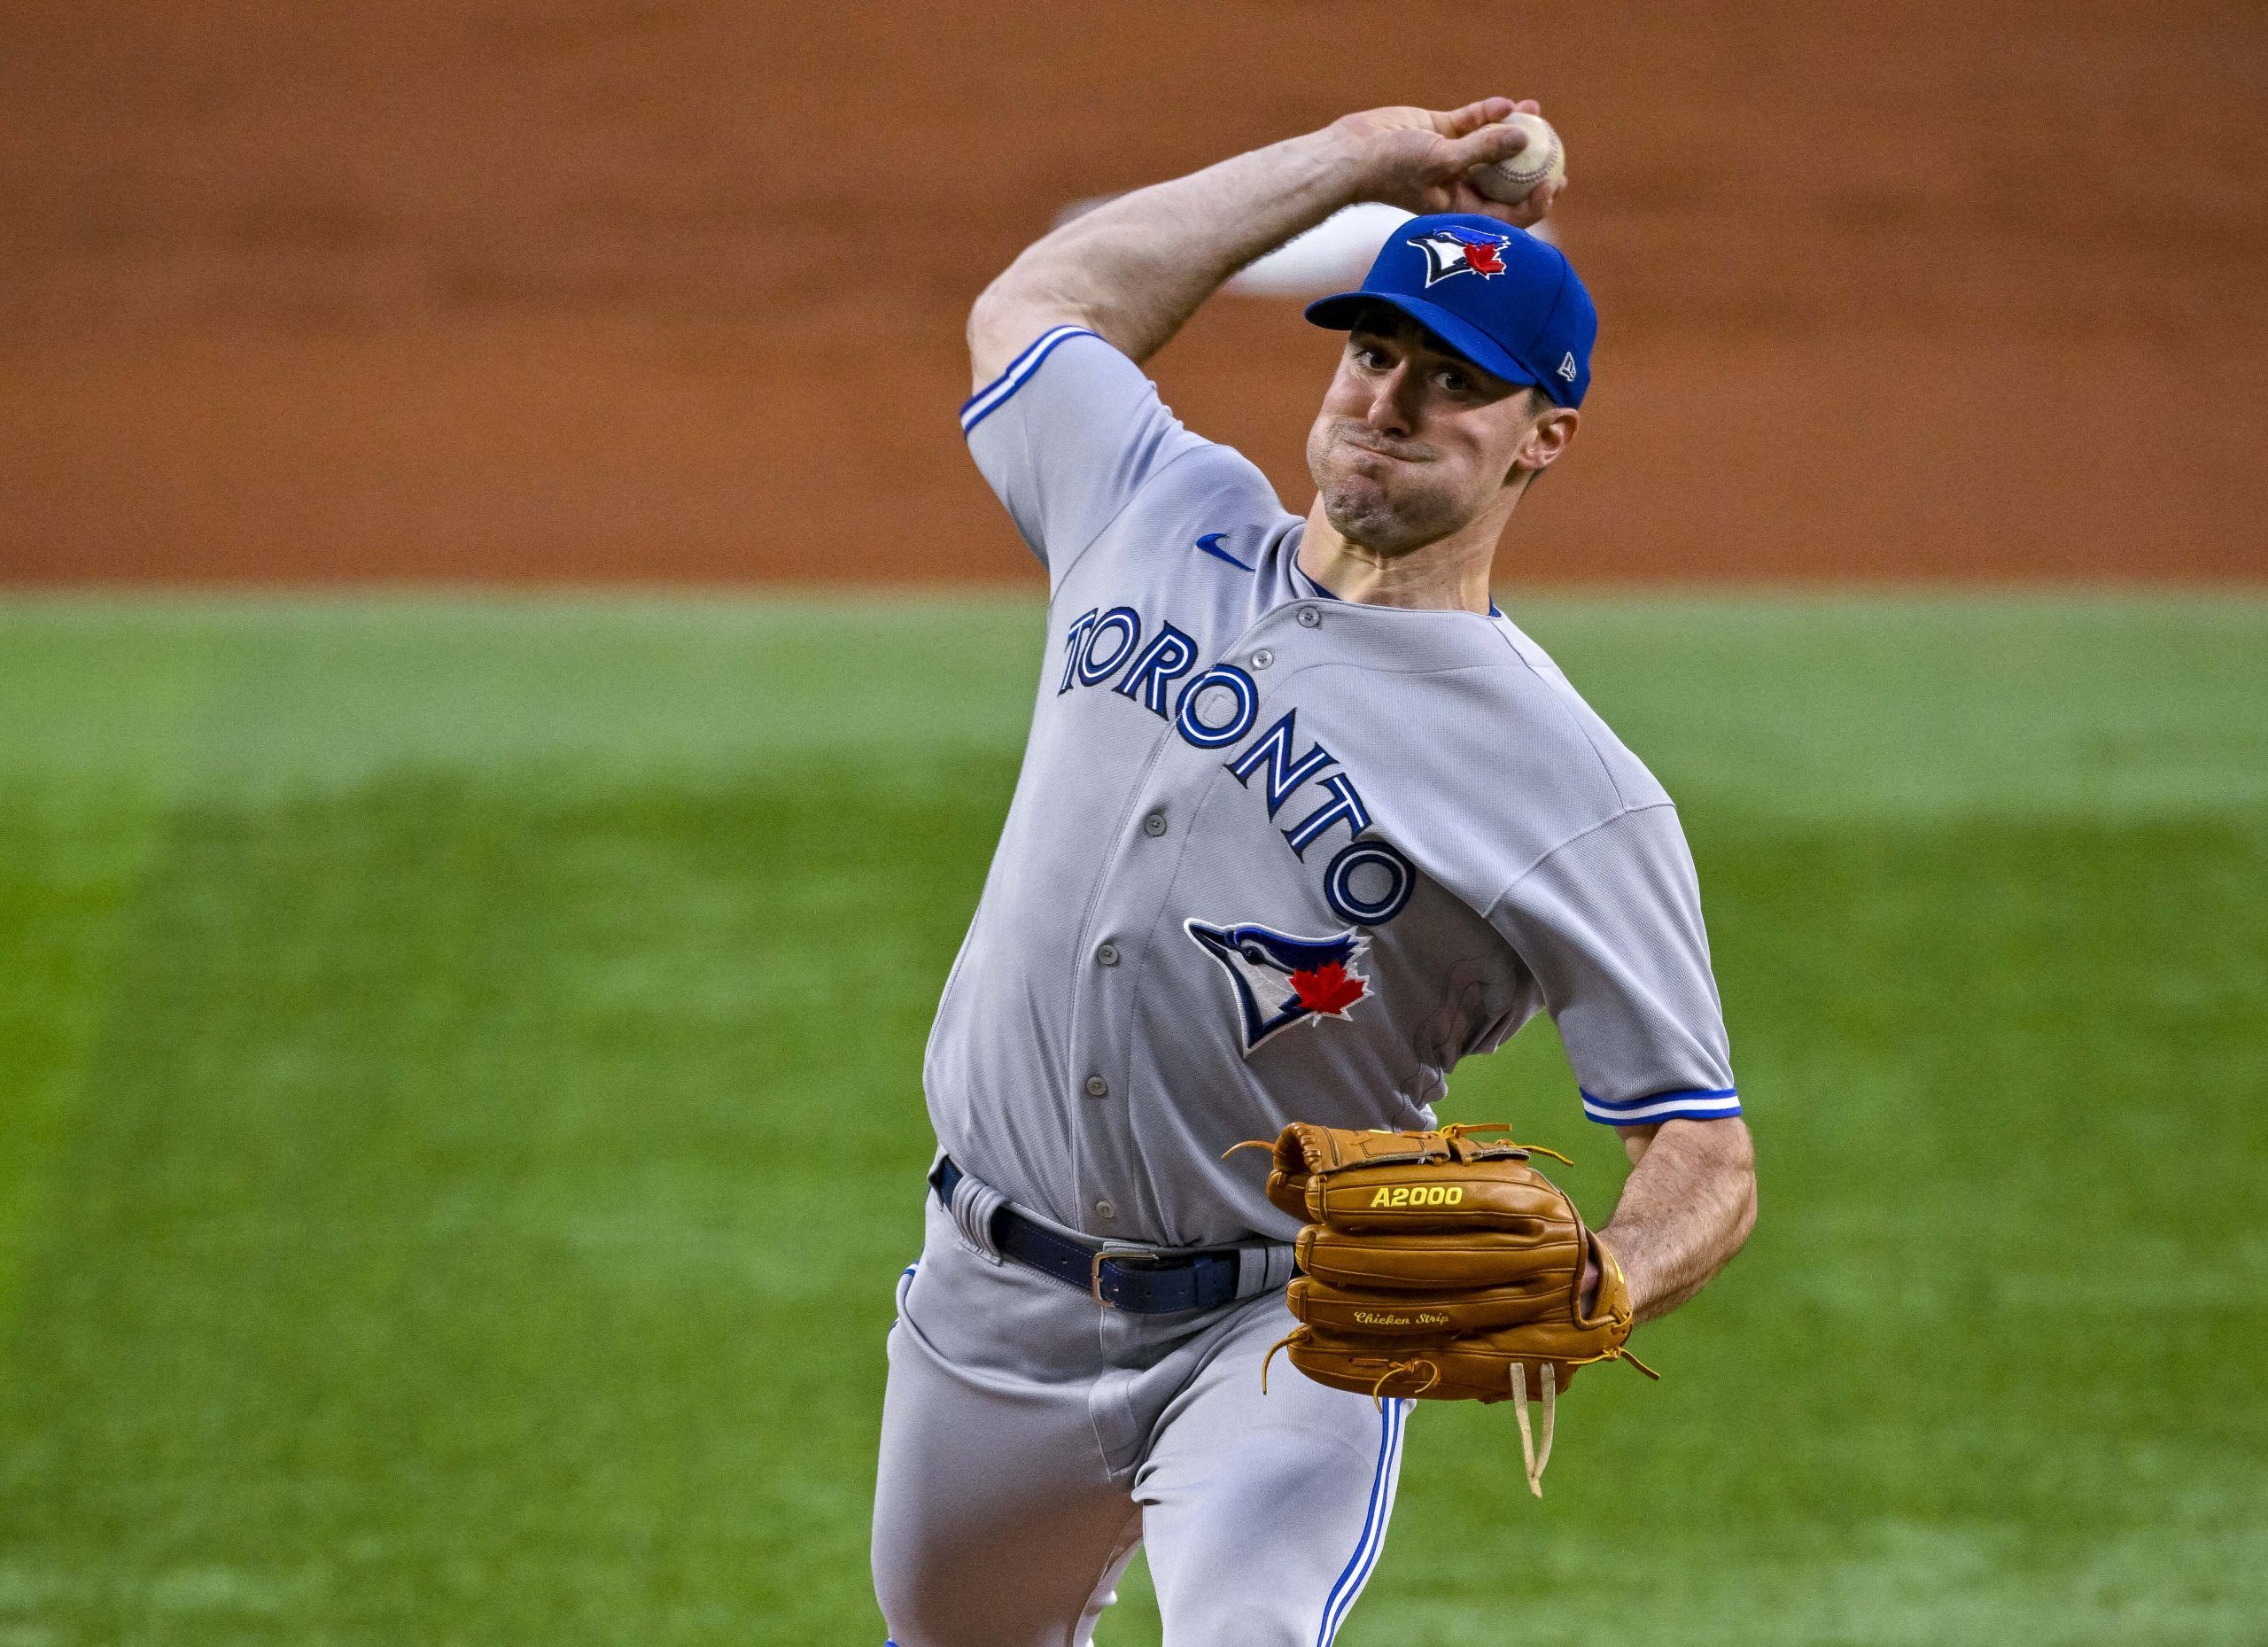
[1455, 381]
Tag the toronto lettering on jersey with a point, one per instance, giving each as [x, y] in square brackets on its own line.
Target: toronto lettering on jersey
[1368, 880]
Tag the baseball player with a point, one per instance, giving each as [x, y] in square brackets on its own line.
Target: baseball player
[1303, 820]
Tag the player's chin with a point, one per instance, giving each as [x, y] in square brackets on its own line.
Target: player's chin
[1377, 484]
[1353, 502]
[1369, 515]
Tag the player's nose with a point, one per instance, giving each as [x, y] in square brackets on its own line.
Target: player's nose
[1390, 411]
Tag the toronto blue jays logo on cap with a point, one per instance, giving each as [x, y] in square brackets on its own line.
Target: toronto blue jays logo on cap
[1460, 251]
[1281, 980]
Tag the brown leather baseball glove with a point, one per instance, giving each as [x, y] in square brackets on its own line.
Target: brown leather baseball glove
[1442, 1265]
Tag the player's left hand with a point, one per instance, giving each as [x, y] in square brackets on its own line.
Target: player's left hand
[1416, 159]
[1437, 1264]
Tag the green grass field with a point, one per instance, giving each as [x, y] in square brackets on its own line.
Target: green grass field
[459, 1124]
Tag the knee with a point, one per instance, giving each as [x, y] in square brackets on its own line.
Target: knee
[977, 1600]
[931, 1608]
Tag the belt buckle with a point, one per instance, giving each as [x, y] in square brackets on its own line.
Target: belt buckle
[1124, 1254]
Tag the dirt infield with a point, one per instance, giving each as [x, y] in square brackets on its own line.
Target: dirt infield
[667, 291]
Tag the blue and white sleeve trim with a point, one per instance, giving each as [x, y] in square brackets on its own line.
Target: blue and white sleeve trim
[1694, 1103]
[994, 394]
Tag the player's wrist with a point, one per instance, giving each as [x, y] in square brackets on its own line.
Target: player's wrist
[1610, 1249]
[1358, 163]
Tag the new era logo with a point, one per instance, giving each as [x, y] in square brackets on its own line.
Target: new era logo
[1567, 366]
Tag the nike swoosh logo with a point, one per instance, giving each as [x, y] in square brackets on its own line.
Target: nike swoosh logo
[1211, 544]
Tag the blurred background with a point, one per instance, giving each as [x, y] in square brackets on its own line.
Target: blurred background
[672, 291]
[509, 684]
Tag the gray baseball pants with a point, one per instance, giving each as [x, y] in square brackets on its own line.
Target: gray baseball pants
[1031, 1439]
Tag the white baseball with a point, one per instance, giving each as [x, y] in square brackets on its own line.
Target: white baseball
[1543, 161]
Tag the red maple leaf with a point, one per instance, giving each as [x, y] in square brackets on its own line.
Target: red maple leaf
[1484, 259]
[1328, 989]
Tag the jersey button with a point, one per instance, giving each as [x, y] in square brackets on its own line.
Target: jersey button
[1154, 824]
[1263, 658]
[1108, 955]
[1104, 1210]
[1309, 618]
[1097, 1087]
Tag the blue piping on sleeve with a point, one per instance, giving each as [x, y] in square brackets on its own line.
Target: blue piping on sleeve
[996, 394]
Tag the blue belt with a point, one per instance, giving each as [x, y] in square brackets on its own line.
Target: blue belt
[1143, 1284]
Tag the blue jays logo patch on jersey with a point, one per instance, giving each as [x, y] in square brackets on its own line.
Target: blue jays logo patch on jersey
[1281, 980]
[1462, 252]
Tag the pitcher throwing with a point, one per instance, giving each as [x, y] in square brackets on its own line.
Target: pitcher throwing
[1303, 821]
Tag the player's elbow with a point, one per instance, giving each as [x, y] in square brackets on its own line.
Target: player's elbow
[1007, 314]
[994, 319]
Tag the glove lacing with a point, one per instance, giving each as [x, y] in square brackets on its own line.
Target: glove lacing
[1536, 1457]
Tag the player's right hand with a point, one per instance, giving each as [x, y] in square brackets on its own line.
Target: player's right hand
[1417, 158]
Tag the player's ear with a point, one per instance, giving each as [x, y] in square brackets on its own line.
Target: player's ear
[1546, 439]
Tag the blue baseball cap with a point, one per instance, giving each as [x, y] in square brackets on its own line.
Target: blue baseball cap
[1508, 302]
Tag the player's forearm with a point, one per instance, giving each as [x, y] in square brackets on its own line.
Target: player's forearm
[1687, 1207]
[1133, 269]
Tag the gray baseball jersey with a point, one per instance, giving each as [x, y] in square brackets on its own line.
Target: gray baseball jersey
[1274, 856]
